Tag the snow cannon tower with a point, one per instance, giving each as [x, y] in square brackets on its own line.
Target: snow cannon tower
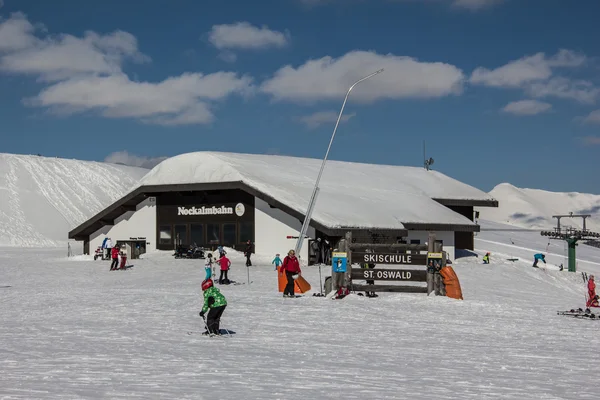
[571, 236]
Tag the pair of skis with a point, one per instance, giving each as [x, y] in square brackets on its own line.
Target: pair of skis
[579, 313]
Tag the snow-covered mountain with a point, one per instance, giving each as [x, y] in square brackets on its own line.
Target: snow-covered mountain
[534, 208]
[43, 197]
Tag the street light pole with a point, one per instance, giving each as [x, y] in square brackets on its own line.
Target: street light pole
[313, 198]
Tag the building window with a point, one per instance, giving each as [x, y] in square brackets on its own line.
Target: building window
[181, 235]
[164, 236]
[197, 234]
[246, 232]
[213, 234]
[229, 235]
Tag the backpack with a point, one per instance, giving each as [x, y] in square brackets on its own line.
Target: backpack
[342, 292]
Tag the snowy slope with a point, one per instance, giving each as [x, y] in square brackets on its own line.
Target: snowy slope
[72, 329]
[351, 194]
[506, 241]
[533, 208]
[43, 198]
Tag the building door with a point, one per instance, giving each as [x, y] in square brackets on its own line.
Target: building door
[213, 234]
[197, 234]
[181, 237]
[229, 234]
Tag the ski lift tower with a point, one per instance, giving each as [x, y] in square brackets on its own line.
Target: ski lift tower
[571, 236]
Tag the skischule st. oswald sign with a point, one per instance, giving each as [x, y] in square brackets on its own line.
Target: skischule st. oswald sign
[389, 258]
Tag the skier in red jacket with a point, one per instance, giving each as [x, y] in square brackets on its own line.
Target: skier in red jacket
[592, 297]
[291, 266]
[225, 264]
[114, 253]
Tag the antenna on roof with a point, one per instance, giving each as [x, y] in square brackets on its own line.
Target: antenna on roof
[427, 163]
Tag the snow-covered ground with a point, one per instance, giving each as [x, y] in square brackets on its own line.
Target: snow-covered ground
[534, 208]
[73, 329]
[43, 198]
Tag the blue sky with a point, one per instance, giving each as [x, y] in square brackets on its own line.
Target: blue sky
[501, 90]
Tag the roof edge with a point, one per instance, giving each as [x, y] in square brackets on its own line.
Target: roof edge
[468, 202]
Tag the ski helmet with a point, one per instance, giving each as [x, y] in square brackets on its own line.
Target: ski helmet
[207, 283]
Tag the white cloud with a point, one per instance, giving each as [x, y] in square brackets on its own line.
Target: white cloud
[564, 88]
[592, 118]
[86, 75]
[319, 118]
[329, 78]
[535, 75]
[124, 157]
[527, 107]
[591, 140]
[243, 35]
[228, 56]
[475, 5]
[528, 69]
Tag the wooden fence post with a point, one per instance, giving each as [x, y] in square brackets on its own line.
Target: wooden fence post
[430, 272]
[437, 277]
[348, 274]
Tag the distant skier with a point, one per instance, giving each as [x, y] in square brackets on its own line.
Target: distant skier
[248, 253]
[208, 266]
[486, 258]
[109, 247]
[114, 252]
[592, 297]
[214, 304]
[276, 261]
[225, 264]
[538, 257]
[222, 252]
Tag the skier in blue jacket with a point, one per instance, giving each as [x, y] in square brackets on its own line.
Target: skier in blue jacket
[538, 257]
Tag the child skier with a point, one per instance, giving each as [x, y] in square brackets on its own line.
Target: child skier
[214, 303]
[208, 266]
[276, 261]
[225, 265]
[486, 258]
[592, 297]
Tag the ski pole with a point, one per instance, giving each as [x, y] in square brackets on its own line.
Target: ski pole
[320, 281]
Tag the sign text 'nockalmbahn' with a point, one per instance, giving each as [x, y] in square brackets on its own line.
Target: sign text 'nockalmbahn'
[390, 274]
[204, 210]
[389, 258]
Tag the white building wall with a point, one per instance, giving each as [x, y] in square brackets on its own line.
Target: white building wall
[445, 236]
[139, 223]
[272, 226]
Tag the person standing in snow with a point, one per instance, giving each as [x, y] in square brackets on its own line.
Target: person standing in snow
[114, 252]
[291, 267]
[208, 266]
[222, 252]
[592, 297]
[276, 261]
[214, 304]
[538, 257]
[225, 264]
[123, 256]
[109, 248]
[248, 253]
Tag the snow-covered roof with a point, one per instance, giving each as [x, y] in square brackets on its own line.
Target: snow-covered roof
[353, 195]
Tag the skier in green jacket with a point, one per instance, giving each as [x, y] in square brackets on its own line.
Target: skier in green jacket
[214, 303]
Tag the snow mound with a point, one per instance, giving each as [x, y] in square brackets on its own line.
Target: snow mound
[534, 208]
[43, 197]
[351, 194]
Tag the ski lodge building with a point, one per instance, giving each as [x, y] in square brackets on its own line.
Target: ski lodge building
[214, 198]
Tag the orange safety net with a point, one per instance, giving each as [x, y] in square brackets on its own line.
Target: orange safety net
[300, 284]
[451, 282]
